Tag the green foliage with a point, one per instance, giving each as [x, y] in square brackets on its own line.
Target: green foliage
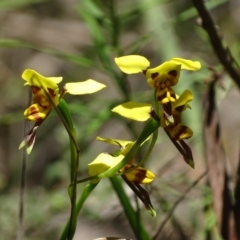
[159, 30]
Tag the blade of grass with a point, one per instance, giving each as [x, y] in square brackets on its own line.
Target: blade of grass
[137, 227]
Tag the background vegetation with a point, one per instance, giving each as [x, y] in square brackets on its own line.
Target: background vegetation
[79, 40]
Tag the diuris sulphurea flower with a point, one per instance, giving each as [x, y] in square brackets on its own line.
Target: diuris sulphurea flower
[133, 175]
[162, 78]
[174, 128]
[46, 96]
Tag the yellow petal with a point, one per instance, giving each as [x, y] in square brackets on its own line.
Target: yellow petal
[124, 145]
[132, 63]
[134, 110]
[179, 132]
[33, 78]
[164, 75]
[56, 79]
[102, 163]
[139, 175]
[187, 64]
[49, 87]
[183, 99]
[120, 143]
[87, 87]
[35, 112]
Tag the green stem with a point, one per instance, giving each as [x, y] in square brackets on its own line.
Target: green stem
[86, 192]
[72, 190]
[74, 155]
[133, 219]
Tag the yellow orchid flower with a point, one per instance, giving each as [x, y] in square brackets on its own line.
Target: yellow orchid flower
[46, 93]
[105, 161]
[162, 77]
[131, 175]
[141, 112]
[46, 96]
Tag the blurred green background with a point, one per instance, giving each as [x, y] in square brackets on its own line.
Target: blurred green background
[79, 40]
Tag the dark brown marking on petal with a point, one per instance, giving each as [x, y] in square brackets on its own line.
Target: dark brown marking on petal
[45, 107]
[167, 109]
[181, 131]
[154, 115]
[51, 91]
[187, 149]
[179, 108]
[173, 95]
[173, 73]
[160, 97]
[35, 89]
[32, 109]
[154, 75]
[144, 71]
[140, 175]
[31, 139]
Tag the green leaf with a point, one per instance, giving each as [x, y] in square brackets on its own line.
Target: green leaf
[75, 58]
[133, 218]
[85, 194]
[12, 4]
[63, 108]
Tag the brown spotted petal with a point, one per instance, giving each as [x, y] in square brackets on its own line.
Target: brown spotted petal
[179, 131]
[142, 194]
[184, 149]
[165, 75]
[188, 157]
[138, 175]
[36, 112]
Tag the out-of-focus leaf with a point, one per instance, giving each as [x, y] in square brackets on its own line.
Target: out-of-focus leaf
[84, 11]
[79, 60]
[13, 43]
[138, 44]
[11, 118]
[96, 122]
[12, 4]
[101, 45]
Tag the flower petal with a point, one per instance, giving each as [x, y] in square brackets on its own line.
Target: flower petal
[138, 175]
[132, 63]
[102, 163]
[134, 110]
[42, 87]
[87, 87]
[179, 132]
[55, 79]
[164, 75]
[183, 99]
[187, 64]
[120, 143]
[29, 140]
[35, 112]
[33, 78]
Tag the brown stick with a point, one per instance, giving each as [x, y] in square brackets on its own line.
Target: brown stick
[222, 52]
